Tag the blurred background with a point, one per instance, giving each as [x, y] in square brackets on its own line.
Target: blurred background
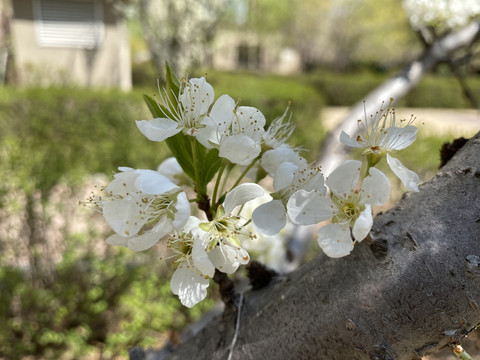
[72, 76]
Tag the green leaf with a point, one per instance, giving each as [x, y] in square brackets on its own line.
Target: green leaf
[173, 85]
[209, 164]
[179, 144]
[157, 110]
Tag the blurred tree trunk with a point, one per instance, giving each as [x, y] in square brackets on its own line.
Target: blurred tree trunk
[411, 287]
[8, 73]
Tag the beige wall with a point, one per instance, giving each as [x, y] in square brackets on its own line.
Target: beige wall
[107, 66]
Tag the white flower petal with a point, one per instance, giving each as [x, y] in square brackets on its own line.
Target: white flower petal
[158, 129]
[272, 159]
[136, 243]
[270, 218]
[219, 119]
[284, 175]
[153, 183]
[182, 214]
[363, 224]
[344, 178]
[117, 240]
[241, 194]
[200, 258]
[375, 188]
[171, 169]
[223, 111]
[123, 216]
[190, 287]
[239, 149]
[309, 207]
[345, 139]
[228, 258]
[398, 138]
[123, 183]
[409, 178]
[145, 241]
[197, 96]
[335, 240]
[250, 122]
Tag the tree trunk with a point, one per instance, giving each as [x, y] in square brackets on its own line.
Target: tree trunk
[411, 287]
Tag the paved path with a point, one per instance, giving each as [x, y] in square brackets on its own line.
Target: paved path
[461, 122]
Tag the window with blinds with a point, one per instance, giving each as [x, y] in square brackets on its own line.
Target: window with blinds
[69, 23]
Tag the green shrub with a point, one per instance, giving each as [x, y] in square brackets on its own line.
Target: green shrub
[57, 134]
[91, 304]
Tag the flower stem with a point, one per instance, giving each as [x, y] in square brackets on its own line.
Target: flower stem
[242, 175]
[217, 183]
[195, 166]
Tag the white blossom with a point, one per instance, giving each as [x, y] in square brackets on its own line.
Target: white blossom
[236, 131]
[441, 14]
[381, 134]
[142, 206]
[186, 114]
[297, 193]
[226, 232]
[193, 266]
[351, 206]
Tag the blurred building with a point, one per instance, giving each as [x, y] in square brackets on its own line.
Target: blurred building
[83, 42]
[234, 50]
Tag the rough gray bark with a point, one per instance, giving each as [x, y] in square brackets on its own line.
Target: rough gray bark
[411, 288]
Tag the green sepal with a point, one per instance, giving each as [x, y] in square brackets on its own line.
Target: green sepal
[206, 226]
[261, 173]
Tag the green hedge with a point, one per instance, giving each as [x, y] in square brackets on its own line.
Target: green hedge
[440, 91]
[56, 134]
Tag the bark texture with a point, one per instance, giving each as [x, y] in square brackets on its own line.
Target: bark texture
[412, 287]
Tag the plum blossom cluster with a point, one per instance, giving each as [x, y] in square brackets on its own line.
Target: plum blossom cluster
[441, 14]
[220, 144]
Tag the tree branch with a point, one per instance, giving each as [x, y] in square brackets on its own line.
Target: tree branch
[412, 287]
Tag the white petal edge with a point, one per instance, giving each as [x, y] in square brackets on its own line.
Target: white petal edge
[335, 240]
[344, 178]
[270, 218]
[136, 243]
[239, 149]
[200, 258]
[241, 194]
[375, 188]
[409, 178]
[284, 175]
[153, 183]
[170, 168]
[345, 139]
[363, 224]
[182, 214]
[158, 129]
[309, 207]
[190, 287]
